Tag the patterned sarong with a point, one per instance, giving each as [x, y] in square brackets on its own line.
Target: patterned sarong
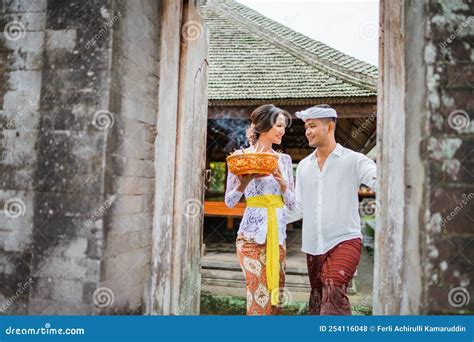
[329, 276]
[252, 259]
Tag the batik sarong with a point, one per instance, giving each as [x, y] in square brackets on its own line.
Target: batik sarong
[329, 276]
[252, 259]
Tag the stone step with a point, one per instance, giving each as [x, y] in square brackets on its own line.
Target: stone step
[234, 266]
[236, 279]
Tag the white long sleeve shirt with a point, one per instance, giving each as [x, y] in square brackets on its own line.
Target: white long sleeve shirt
[327, 199]
[255, 220]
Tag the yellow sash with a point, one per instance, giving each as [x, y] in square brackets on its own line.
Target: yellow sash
[271, 202]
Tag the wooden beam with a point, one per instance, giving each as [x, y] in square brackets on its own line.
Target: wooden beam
[159, 301]
[189, 182]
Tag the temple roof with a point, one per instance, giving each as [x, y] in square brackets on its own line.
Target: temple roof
[252, 58]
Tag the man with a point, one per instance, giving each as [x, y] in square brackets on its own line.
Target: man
[327, 182]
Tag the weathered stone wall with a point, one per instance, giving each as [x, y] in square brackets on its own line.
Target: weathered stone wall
[448, 157]
[78, 118]
[423, 258]
[22, 49]
[129, 168]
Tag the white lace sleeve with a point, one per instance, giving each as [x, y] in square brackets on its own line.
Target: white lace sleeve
[232, 196]
[289, 195]
[296, 213]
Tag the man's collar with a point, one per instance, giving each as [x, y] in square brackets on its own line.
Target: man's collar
[337, 151]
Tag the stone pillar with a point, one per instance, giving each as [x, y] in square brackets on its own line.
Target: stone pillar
[423, 251]
[22, 45]
[78, 126]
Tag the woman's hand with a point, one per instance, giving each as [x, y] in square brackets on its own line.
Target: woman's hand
[246, 179]
[281, 181]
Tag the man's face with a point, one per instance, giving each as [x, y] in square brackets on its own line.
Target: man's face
[316, 132]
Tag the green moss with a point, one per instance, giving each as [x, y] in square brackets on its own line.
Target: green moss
[359, 310]
[222, 305]
[229, 305]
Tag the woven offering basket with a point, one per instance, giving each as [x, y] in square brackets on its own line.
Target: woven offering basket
[248, 163]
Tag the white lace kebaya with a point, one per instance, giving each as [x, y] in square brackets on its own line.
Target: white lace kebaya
[254, 222]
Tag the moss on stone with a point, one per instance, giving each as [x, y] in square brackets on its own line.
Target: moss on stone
[230, 305]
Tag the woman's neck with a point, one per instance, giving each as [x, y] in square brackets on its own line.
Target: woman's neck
[263, 146]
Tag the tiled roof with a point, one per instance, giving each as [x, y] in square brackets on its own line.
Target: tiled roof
[252, 57]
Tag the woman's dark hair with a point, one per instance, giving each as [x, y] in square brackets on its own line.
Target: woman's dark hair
[262, 120]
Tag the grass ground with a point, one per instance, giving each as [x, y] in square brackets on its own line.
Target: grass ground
[230, 305]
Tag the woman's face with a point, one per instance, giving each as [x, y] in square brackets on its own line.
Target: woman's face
[276, 133]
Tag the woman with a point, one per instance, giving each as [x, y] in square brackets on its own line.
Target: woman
[262, 232]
